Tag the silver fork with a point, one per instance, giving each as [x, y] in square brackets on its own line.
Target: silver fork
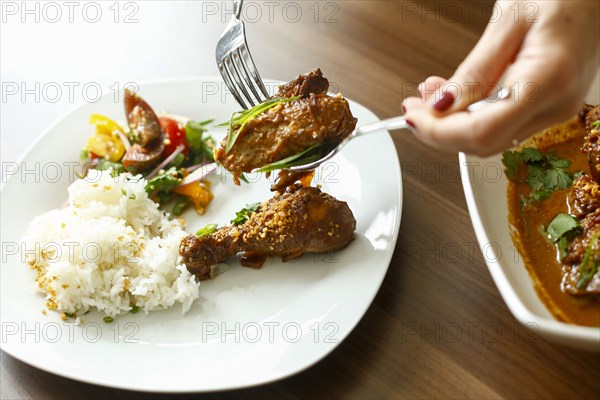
[391, 124]
[236, 65]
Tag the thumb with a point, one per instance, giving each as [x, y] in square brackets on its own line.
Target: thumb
[478, 74]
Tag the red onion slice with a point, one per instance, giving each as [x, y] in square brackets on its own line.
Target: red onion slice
[166, 161]
[200, 173]
[195, 167]
[125, 140]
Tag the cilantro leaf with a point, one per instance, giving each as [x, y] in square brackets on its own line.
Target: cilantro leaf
[554, 179]
[511, 161]
[117, 168]
[535, 174]
[562, 226]
[545, 173]
[559, 163]
[165, 182]
[531, 154]
[244, 214]
[561, 231]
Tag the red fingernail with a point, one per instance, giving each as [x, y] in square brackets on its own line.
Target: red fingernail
[444, 102]
[403, 109]
[409, 122]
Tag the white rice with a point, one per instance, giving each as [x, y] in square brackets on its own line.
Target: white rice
[110, 248]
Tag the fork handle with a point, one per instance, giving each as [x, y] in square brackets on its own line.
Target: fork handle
[387, 124]
[400, 122]
[237, 8]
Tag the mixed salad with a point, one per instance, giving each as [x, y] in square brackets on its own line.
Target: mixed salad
[173, 153]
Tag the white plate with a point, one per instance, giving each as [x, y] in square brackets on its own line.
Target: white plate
[485, 188]
[301, 310]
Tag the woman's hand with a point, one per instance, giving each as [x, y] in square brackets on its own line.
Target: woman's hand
[547, 52]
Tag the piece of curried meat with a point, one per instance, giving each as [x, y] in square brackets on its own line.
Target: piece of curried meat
[586, 208]
[572, 263]
[301, 220]
[303, 85]
[585, 200]
[289, 128]
[591, 145]
[585, 196]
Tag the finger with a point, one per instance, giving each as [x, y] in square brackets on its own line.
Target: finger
[478, 74]
[426, 89]
[483, 132]
[411, 103]
[534, 77]
[430, 86]
[542, 77]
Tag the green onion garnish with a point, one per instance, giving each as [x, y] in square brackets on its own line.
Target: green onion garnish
[241, 118]
[304, 157]
[207, 230]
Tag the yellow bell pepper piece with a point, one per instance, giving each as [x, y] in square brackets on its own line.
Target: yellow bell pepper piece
[106, 141]
[199, 194]
[97, 119]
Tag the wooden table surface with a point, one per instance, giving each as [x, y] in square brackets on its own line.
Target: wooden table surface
[438, 327]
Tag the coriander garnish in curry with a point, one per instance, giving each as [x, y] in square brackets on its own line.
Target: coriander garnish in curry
[554, 212]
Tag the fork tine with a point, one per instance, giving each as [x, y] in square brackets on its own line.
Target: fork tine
[246, 75]
[235, 73]
[229, 82]
[251, 68]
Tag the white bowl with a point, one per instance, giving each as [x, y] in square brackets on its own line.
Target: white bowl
[485, 186]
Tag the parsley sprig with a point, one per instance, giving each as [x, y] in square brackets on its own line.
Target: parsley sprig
[545, 173]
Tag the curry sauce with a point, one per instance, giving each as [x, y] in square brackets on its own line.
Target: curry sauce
[541, 257]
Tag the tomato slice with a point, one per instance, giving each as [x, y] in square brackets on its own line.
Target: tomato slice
[175, 133]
